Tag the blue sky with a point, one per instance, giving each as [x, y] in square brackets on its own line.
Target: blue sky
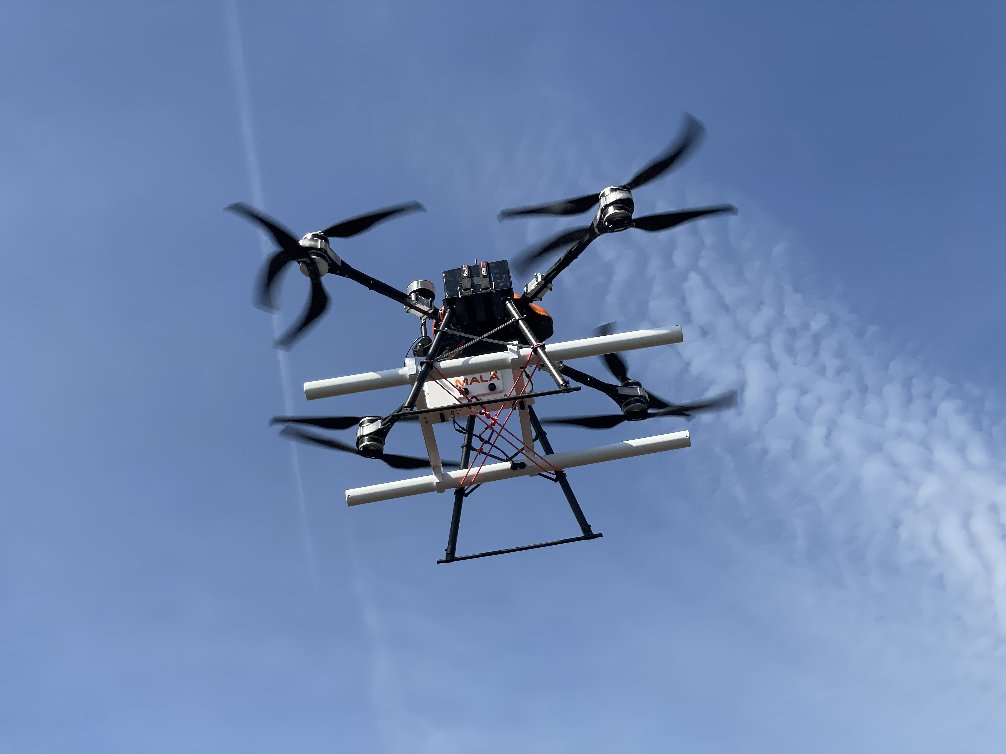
[823, 570]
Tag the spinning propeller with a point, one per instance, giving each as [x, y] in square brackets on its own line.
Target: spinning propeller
[689, 138]
[629, 393]
[649, 223]
[393, 460]
[315, 259]
[607, 421]
[326, 422]
[616, 203]
[635, 401]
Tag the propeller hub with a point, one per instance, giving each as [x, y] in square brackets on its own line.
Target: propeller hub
[615, 209]
[315, 240]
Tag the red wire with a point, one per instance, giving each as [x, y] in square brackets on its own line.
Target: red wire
[497, 428]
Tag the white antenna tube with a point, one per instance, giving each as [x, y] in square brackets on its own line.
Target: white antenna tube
[495, 471]
[570, 349]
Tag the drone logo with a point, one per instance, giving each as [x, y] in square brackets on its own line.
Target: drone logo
[478, 379]
[450, 393]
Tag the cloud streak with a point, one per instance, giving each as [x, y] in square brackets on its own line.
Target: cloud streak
[398, 729]
[849, 453]
[243, 98]
[900, 470]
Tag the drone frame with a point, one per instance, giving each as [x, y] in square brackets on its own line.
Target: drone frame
[428, 374]
[520, 361]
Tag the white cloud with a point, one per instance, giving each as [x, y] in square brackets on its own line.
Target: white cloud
[881, 479]
[872, 452]
[888, 454]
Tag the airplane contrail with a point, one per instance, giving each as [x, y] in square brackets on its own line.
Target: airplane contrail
[383, 690]
[243, 96]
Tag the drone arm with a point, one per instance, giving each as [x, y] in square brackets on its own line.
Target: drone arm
[585, 379]
[561, 264]
[348, 271]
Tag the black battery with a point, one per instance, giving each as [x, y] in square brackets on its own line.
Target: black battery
[477, 294]
[477, 279]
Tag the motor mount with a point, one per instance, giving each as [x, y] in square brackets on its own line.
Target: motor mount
[614, 212]
[534, 282]
[422, 293]
[320, 251]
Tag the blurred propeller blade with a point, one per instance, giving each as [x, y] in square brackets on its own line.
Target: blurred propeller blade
[291, 251]
[280, 234]
[356, 225]
[685, 410]
[322, 422]
[606, 421]
[563, 207]
[558, 241]
[316, 306]
[391, 459]
[328, 422]
[269, 275]
[407, 462]
[665, 220]
[714, 403]
[689, 138]
[292, 433]
[613, 361]
[656, 402]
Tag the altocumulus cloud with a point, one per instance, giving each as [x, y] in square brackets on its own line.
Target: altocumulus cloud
[882, 482]
[896, 470]
[880, 470]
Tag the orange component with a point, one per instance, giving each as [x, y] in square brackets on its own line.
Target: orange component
[534, 307]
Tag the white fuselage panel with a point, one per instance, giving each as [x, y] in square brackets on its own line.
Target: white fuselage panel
[451, 393]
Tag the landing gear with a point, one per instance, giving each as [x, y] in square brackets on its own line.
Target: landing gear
[450, 554]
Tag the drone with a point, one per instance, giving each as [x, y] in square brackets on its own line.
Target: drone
[479, 353]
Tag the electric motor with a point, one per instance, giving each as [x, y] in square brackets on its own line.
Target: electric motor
[421, 293]
[633, 400]
[615, 210]
[320, 261]
[320, 252]
[369, 438]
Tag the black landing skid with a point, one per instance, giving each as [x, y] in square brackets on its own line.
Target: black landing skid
[450, 554]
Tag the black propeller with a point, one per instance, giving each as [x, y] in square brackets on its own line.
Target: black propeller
[356, 225]
[316, 306]
[686, 410]
[687, 140]
[613, 361]
[325, 422]
[291, 251]
[393, 460]
[619, 370]
[648, 223]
